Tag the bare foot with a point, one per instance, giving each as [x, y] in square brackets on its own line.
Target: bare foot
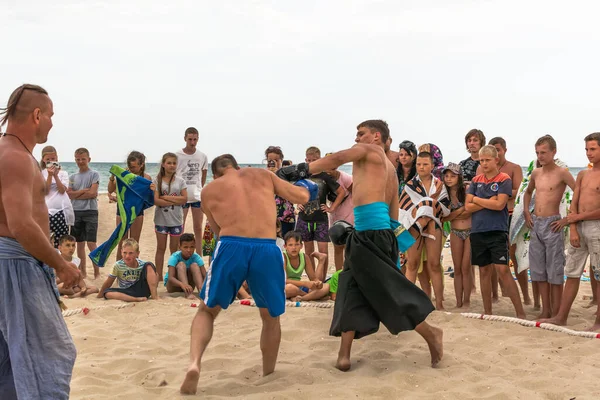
[436, 346]
[537, 307]
[459, 305]
[140, 299]
[554, 321]
[190, 383]
[192, 297]
[96, 276]
[495, 300]
[343, 363]
[467, 305]
[543, 316]
[297, 298]
[473, 290]
[527, 301]
[594, 328]
[522, 316]
[318, 256]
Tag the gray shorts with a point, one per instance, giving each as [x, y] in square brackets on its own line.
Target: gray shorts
[36, 350]
[589, 244]
[546, 251]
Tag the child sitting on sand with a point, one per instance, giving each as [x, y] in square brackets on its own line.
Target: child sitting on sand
[137, 279]
[66, 247]
[185, 268]
[328, 291]
[296, 263]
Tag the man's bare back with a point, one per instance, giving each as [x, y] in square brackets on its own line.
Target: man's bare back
[242, 202]
[550, 186]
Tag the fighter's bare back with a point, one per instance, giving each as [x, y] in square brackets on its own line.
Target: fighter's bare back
[242, 202]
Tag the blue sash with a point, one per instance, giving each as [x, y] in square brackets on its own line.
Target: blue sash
[376, 217]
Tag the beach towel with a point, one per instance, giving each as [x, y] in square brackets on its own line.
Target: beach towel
[416, 197]
[519, 233]
[133, 196]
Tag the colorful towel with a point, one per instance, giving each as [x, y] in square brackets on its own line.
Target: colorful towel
[416, 197]
[133, 196]
[519, 232]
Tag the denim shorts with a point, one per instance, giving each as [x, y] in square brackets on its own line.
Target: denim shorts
[169, 230]
[196, 204]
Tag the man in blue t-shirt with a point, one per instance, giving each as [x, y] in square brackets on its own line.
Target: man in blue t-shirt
[186, 268]
[486, 200]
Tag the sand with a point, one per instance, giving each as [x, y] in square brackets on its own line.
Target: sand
[141, 352]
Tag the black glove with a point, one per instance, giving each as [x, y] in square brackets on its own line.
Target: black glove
[339, 232]
[293, 173]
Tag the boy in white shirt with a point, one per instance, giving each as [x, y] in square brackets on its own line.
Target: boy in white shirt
[192, 166]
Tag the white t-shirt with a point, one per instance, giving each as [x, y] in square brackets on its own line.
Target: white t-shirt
[56, 201]
[190, 167]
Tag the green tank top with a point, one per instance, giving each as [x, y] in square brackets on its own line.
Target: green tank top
[294, 273]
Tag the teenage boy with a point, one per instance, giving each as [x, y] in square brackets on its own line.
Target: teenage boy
[515, 174]
[423, 202]
[192, 166]
[474, 140]
[487, 197]
[584, 230]
[547, 246]
[83, 192]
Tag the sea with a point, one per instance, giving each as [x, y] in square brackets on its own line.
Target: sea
[103, 169]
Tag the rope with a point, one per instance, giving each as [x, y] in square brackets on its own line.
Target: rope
[252, 303]
[86, 310]
[533, 324]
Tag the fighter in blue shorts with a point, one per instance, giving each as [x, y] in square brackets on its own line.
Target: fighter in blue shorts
[240, 207]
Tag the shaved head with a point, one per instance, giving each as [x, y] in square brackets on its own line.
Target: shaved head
[23, 101]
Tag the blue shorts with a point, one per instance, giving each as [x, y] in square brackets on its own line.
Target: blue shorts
[257, 261]
[169, 230]
[196, 204]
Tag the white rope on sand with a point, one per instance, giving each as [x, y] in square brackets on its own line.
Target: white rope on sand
[252, 303]
[86, 310]
[533, 324]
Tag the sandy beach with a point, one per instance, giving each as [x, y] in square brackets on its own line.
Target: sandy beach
[141, 352]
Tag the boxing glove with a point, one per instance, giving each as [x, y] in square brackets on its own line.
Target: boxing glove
[313, 188]
[293, 173]
[339, 232]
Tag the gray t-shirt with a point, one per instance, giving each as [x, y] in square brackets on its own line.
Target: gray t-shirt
[84, 180]
[171, 215]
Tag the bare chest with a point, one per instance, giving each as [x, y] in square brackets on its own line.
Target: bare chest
[550, 183]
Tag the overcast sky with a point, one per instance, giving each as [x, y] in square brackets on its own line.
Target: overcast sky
[248, 74]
